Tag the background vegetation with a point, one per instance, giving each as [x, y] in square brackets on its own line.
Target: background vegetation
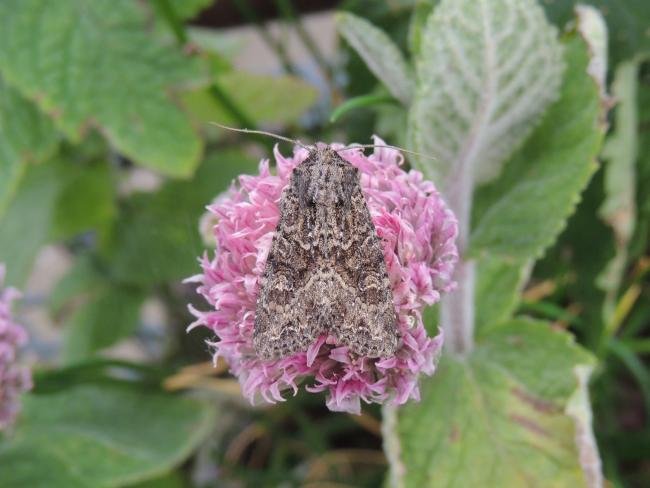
[107, 157]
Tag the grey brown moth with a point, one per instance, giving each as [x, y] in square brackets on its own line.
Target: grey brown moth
[325, 272]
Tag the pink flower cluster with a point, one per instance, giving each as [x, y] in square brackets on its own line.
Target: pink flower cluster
[14, 379]
[418, 233]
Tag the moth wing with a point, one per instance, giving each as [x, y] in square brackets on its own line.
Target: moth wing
[369, 325]
[281, 326]
[338, 284]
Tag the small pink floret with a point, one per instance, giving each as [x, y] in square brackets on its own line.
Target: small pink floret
[14, 379]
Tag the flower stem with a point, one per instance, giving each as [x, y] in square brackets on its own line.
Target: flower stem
[168, 13]
[457, 308]
[393, 447]
[275, 45]
[175, 24]
[360, 102]
[457, 311]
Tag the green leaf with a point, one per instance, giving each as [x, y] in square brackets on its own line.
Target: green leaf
[26, 136]
[498, 286]
[172, 13]
[87, 202]
[421, 11]
[579, 409]
[620, 152]
[362, 101]
[627, 22]
[157, 239]
[98, 370]
[112, 313]
[525, 209]
[635, 366]
[641, 238]
[592, 27]
[391, 122]
[26, 225]
[94, 63]
[81, 279]
[576, 259]
[521, 345]
[54, 201]
[172, 480]
[291, 98]
[91, 437]
[188, 9]
[497, 418]
[379, 53]
[486, 71]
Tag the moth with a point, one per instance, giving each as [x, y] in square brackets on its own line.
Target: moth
[325, 271]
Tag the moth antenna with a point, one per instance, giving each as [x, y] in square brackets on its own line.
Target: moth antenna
[298, 143]
[261, 133]
[363, 146]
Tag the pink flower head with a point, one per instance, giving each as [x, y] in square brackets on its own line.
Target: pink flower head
[418, 233]
[14, 380]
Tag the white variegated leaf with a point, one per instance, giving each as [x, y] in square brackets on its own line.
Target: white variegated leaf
[486, 71]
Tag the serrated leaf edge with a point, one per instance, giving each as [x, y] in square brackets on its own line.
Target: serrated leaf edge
[605, 105]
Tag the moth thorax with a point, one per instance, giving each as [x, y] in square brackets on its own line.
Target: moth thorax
[326, 190]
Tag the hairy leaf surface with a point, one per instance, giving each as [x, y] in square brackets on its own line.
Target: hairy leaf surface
[486, 72]
[92, 62]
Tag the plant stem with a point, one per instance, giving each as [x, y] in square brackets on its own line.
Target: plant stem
[166, 9]
[360, 102]
[288, 12]
[226, 101]
[393, 447]
[276, 46]
[457, 308]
